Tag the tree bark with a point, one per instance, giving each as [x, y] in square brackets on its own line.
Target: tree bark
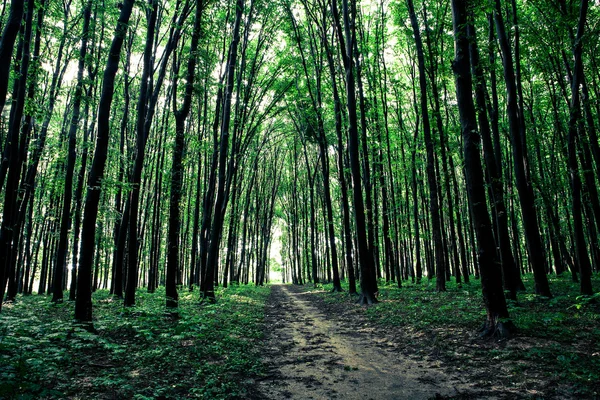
[523, 180]
[9, 35]
[491, 280]
[142, 132]
[220, 204]
[83, 302]
[8, 231]
[368, 284]
[57, 294]
[440, 270]
[177, 165]
[582, 258]
[509, 268]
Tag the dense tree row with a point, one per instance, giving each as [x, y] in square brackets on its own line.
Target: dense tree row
[166, 143]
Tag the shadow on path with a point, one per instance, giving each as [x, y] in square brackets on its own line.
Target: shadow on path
[311, 354]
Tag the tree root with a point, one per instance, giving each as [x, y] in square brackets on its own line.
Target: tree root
[367, 299]
[496, 329]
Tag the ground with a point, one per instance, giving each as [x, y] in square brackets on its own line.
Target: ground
[315, 353]
[304, 342]
[319, 348]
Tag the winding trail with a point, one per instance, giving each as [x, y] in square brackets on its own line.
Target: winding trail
[312, 354]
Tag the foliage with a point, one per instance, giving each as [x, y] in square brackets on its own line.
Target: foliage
[208, 351]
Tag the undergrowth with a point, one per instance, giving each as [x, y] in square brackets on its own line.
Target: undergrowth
[208, 352]
[558, 337]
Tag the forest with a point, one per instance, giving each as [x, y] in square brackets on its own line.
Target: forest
[181, 180]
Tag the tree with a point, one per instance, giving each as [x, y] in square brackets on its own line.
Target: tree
[65, 224]
[9, 35]
[176, 168]
[585, 269]
[368, 284]
[83, 302]
[144, 116]
[491, 279]
[431, 177]
[220, 204]
[521, 160]
[14, 154]
[494, 170]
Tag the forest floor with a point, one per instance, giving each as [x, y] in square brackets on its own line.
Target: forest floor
[208, 351]
[321, 345]
[316, 351]
[303, 342]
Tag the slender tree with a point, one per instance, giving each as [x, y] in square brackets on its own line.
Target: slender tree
[582, 257]
[368, 284]
[57, 294]
[83, 302]
[520, 160]
[140, 154]
[14, 149]
[220, 204]
[509, 268]
[429, 145]
[7, 43]
[491, 280]
[177, 166]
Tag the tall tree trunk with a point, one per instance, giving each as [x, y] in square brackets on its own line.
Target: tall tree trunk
[431, 177]
[368, 284]
[83, 302]
[7, 43]
[177, 165]
[509, 268]
[220, 204]
[491, 278]
[343, 185]
[582, 258]
[8, 233]
[194, 262]
[65, 223]
[209, 194]
[370, 194]
[523, 180]
[142, 132]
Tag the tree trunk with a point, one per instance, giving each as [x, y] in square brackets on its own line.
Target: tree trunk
[143, 114]
[491, 280]
[83, 302]
[65, 224]
[177, 165]
[220, 204]
[582, 258]
[8, 232]
[523, 180]
[7, 43]
[440, 268]
[368, 284]
[509, 268]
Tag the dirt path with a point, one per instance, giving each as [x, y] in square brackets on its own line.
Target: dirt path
[315, 355]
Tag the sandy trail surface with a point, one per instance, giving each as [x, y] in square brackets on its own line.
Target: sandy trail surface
[311, 353]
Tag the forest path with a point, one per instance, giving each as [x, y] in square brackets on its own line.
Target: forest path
[314, 353]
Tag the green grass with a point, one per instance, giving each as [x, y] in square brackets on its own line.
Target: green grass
[560, 336]
[209, 352]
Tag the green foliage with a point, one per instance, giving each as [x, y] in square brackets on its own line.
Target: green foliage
[207, 351]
